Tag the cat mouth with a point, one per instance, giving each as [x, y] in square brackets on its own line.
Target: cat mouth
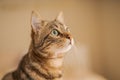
[71, 42]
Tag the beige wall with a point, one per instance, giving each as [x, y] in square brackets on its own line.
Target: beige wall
[94, 25]
[111, 39]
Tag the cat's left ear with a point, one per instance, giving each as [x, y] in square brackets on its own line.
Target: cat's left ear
[60, 17]
[35, 21]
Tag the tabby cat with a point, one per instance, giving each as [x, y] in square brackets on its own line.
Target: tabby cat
[50, 41]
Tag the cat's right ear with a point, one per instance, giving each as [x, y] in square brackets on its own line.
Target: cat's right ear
[35, 21]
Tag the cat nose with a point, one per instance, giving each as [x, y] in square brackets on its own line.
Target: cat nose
[68, 36]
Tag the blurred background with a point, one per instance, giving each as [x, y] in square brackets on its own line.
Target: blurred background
[94, 24]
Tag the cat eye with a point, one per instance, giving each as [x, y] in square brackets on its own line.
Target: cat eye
[55, 32]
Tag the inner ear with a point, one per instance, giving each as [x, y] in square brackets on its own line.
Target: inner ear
[60, 18]
[35, 21]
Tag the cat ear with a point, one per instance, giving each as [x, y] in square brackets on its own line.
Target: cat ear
[35, 21]
[60, 17]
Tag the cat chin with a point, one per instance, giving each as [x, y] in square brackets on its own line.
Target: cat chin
[67, 46]
[64, 49]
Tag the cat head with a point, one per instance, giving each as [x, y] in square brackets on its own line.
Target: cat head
[50, 38]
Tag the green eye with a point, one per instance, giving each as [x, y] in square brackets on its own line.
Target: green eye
[55, 32]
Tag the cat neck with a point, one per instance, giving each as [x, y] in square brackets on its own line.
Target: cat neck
[42, 69]
[50, 67]
[37, 57]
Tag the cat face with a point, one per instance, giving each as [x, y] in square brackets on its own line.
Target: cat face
[52, 38]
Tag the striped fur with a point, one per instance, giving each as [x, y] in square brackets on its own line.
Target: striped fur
[46, 53]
